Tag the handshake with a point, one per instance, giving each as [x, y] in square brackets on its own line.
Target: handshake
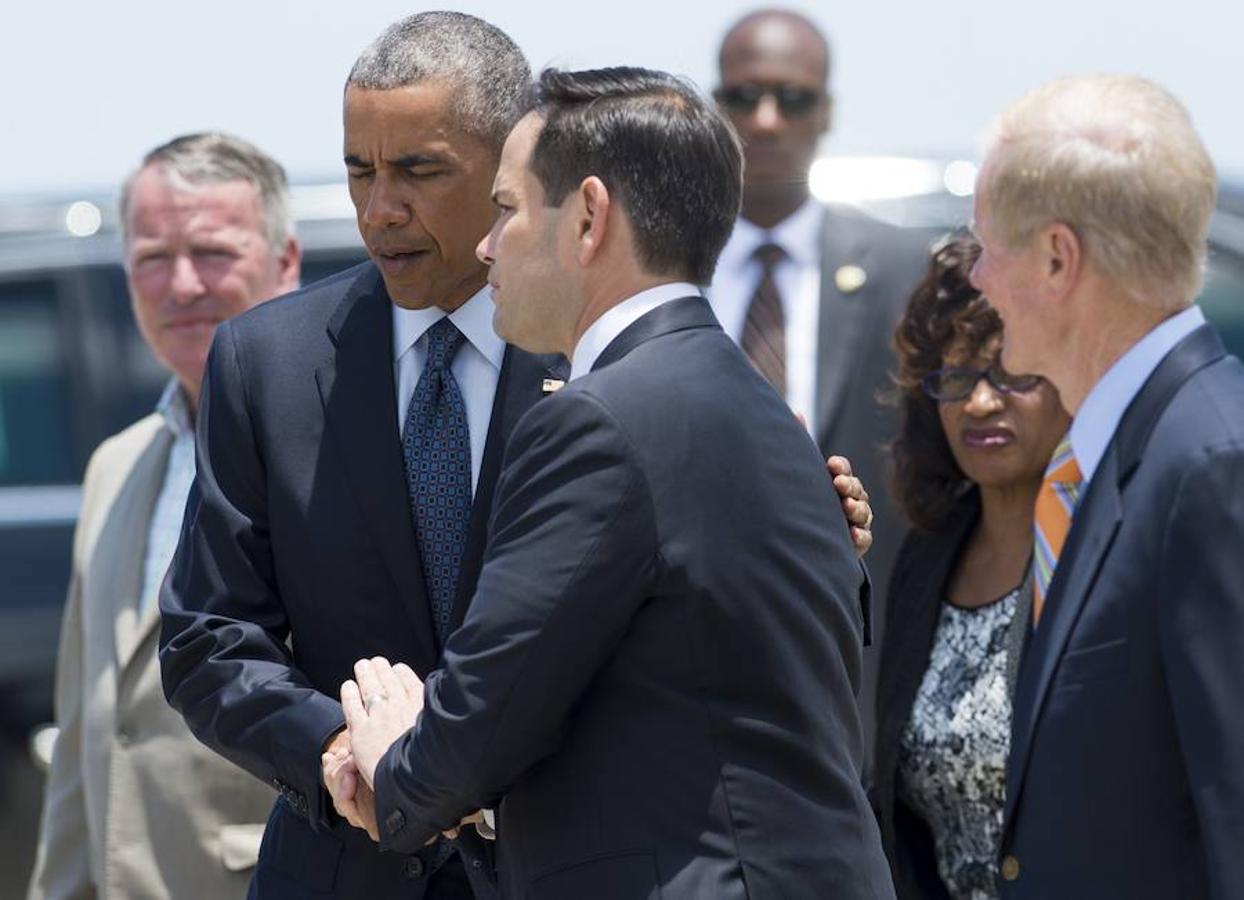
[381, 704]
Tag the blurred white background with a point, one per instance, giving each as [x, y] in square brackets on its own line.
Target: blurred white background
[89, 86]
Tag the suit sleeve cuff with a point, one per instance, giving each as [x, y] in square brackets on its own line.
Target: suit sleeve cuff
[400, 831]
[304, 790]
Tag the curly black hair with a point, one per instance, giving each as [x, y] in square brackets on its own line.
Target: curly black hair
[944, 311]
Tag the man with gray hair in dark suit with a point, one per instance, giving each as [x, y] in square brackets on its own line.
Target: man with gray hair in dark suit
[318, 531]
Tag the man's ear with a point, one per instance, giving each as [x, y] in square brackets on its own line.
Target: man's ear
[591, 223]
[1062, 258]
[289, 266]
[826, 124]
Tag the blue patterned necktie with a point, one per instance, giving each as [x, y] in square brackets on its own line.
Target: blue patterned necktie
[437, 447]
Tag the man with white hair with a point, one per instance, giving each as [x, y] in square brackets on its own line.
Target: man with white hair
[134, 805]
[1126, 777]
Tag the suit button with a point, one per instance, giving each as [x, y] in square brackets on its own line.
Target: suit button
[414, 867]
[1010, 868]
[124, 737]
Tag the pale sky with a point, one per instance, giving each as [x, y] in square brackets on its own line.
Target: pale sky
[89, 86]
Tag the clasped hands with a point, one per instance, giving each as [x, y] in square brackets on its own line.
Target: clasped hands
[381, 703]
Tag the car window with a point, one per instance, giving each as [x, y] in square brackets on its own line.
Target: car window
[35, 404]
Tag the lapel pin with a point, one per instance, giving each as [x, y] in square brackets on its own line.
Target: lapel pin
[850, 279]
[551, 385]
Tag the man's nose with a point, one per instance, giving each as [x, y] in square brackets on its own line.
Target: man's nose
[974, 276]
[767, 116]
[483, 250]
[386, 208]
[186, 285]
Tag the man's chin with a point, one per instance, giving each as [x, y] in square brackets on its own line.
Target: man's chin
[521, 338]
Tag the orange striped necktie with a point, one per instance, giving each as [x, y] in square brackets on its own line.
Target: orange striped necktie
[1056, 504]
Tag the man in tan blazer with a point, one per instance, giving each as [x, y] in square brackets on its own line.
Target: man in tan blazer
[134, 805]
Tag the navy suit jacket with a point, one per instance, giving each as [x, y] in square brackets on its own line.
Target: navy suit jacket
[657, 675]
[298, 557]
[1126, 775]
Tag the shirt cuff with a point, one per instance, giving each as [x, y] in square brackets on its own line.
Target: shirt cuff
[488, 827]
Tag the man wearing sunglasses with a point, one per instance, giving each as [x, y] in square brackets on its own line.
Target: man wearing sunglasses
[811, 292]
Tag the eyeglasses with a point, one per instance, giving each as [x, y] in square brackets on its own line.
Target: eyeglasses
[952, 384]
[744, 98]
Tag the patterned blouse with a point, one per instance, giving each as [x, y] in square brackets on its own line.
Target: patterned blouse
[952, 754]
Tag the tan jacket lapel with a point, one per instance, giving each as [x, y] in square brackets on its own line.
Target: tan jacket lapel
[123, 543]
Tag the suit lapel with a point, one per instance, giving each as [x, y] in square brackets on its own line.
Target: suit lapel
[118, 556]
[519, 386]
[360, 411]
[1093, 530]
[676, 315]
[843, 322]
[936, 562]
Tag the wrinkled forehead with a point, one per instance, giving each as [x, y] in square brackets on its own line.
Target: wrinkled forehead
[162, 200]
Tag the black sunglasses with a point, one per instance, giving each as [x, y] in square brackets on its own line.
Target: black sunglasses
[952, 384]
[744, 98]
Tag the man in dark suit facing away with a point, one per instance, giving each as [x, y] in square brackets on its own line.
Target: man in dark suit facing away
[1126, 771]
[656, 677]
[316, 533]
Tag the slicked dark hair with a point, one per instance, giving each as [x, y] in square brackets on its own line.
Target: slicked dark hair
[664, 152]
[945, 311]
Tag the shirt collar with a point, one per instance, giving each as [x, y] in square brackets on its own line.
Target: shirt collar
[601, 333]
[1099, 416]
[473, 319]
[799, 234]
[175, 409]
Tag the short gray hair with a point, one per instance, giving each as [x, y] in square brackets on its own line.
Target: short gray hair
[490, 74]
[1116, 159]
[212, 157]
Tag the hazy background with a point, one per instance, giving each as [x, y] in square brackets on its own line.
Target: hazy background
[89, 86]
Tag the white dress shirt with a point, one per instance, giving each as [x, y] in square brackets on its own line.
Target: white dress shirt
[1099, 415]
[600, 334]
[476, 366]
[798, 279]
[164, 529]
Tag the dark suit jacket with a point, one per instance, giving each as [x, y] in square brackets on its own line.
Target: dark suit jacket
[917, 590]
[855, 363]
[1126, 775]
[657, 673]
[299, 557]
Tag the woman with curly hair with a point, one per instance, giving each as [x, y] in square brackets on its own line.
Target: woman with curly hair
[973, 444]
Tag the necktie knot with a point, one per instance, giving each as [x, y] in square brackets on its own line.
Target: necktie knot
[444, 339]
[1063, 468]
[1056, 505]
[769, 255]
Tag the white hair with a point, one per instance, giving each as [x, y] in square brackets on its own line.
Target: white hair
[194, 160]
[1116, 159]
